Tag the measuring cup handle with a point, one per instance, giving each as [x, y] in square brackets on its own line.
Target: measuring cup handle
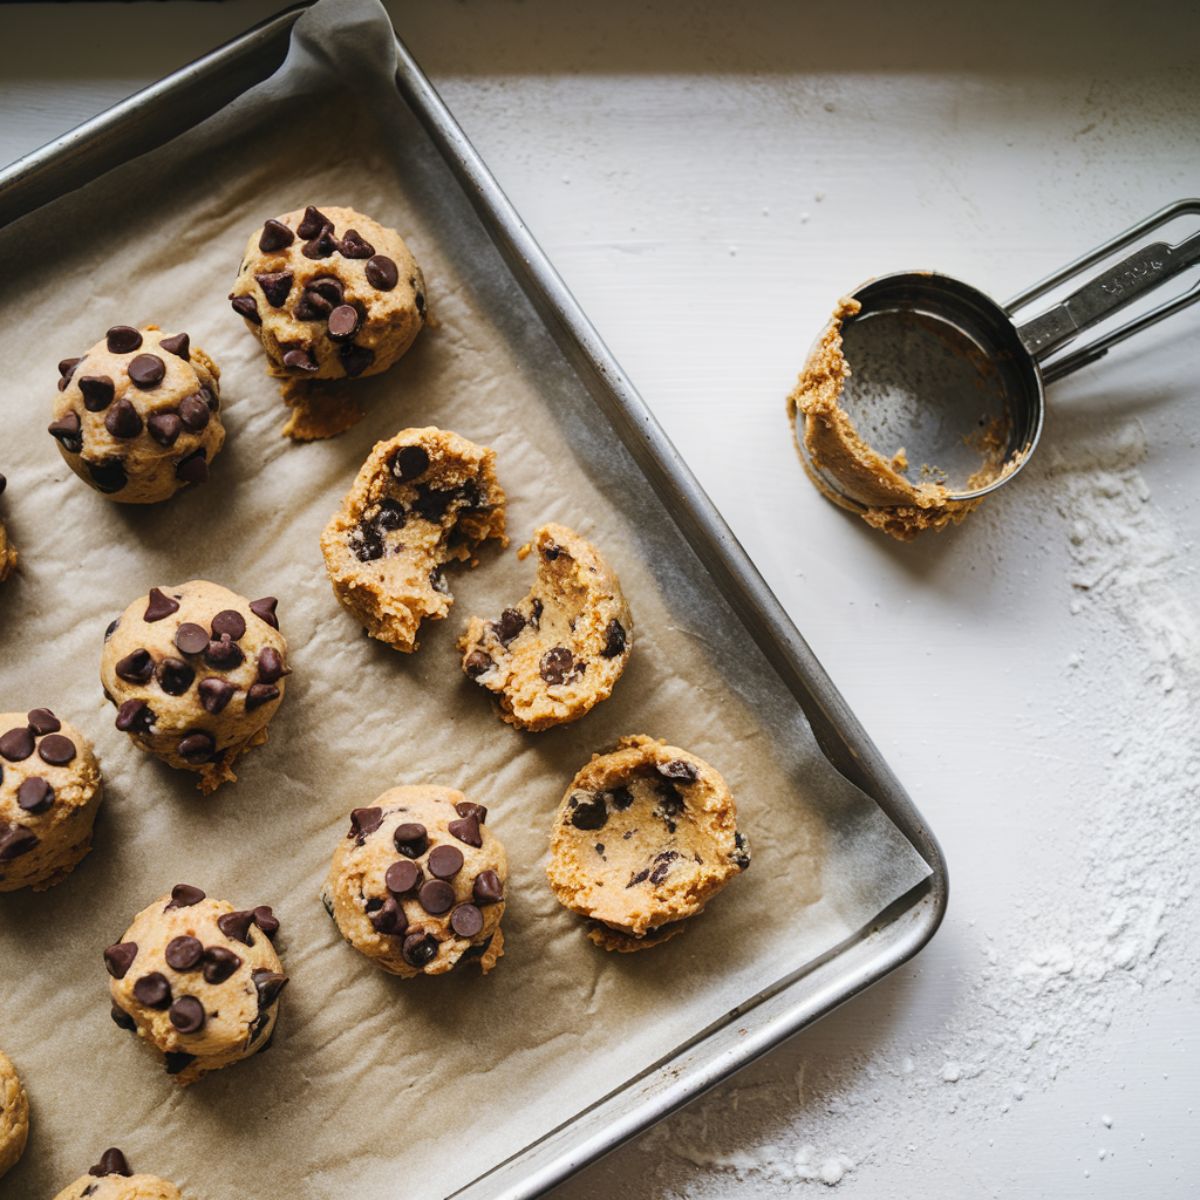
[1141, 272]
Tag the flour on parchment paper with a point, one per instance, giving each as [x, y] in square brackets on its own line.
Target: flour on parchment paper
[1081, 951]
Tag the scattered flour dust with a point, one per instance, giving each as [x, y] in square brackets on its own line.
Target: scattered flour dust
[1075, 958]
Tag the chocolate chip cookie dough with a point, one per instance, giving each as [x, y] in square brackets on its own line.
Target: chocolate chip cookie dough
[558, 653]
[643, 839]
[423, 499]
[14, 1116]
[50, 791]
[138, 416]
[112, 1179]
[197, 980]
[196, 673]
[417, 884]
[8, 552]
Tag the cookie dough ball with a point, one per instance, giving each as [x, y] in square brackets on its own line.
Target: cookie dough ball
[112, 1179]
[198, 980]
[138, 416]
[50, 791]
[417, 884]
[643, 839]
[14, 1116]
[8, 552]
[558, 653]
[330, 294]
[196, 673]
[423, 499]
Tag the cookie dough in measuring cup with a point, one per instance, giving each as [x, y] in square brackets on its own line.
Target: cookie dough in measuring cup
[923, 395]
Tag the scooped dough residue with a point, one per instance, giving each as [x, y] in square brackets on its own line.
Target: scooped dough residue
[873, 485]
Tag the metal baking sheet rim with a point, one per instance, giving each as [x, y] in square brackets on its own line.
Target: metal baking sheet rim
[141, 123]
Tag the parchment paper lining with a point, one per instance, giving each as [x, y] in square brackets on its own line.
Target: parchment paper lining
[374, 1087]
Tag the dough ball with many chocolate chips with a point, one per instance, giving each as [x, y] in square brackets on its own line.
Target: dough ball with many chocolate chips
[423, 499]
[198, 980]
[14, 1115]
[417, 884]
[112, 1178]
[560, 651]
[138, 416]
[330, 294]
[643, 839]
[8, 552]
[196, 673]
[50, 791]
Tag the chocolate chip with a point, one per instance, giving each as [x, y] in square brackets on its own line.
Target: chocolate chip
[640, 877]
[159, 606]
[153, 990]
[122, 1020]
[436, 896]
[219, 964]
[98, 392]
[382, 272]
[321, 245]
[591, 812]
[354, 245]
[134, 716]
[410, 839]
[147, 371]
[111, 628]
[187, 1015]
[312, 306]
[614, 639]
[466, 829]
[275, 236]
[260, 694]
[119, 958]
[355, 359]
[445, 862]
[679, 769]
[3, 484]
[264, 609]
[328, 288]
[67, 429]
[300, 358]
[246, 306]
[276, 286]
[193, 469]
[312, 222]
[66, 367]
[465, 808]
[270, 665]
[432, 503]
[229, 621]
[112, 1162]
[209, 396]
[108, 476]
[176, 1061]
[403, 877]
[191, 638]
[184, 895]
[175, 676]
[15, 840]
[266, 920]
[215, 694]
[419, 299]
[178, 344]
[364, 821]
[419, 949]
[551, 551]
[184, 953]
[556, 665]
[662, 865]
[619, 797]
[477, 663]
[669, 800]
[42, 720]
[123, 339]
[34, 795]
[466, 920]
[741, 857]
[389, 917]
[194, 413]
[237, 925]
[487, 888]
[136, 667]
[17, 744]
[510, 624]
[344, 322]
[56, 750]
[269, 985]
[196, 747]
[223, 653]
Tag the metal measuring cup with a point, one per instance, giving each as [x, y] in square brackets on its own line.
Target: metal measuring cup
[934, 362]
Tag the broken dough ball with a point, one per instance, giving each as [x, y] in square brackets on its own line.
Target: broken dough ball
[197, 980]
[425, 498]
[559, 652]
[643, 839]
[112, 1179]
[138, 416]
[417, 884]
[330, 294]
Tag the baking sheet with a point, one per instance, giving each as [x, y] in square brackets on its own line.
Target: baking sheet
[373, 1085]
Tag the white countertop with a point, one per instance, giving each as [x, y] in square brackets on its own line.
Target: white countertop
[708, 178]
